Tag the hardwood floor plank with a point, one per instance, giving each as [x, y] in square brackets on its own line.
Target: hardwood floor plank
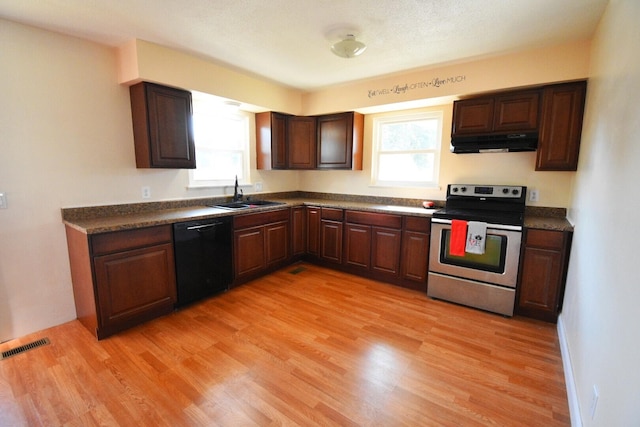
[319, 347]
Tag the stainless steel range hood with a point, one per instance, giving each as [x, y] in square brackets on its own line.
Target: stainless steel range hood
[512, 142]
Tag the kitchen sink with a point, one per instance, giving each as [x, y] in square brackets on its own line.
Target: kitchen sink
[247, 204]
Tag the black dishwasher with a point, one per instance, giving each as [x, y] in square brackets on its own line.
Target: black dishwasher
[203, 258]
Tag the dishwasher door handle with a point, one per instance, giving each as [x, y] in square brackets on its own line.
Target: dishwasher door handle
[203, 227]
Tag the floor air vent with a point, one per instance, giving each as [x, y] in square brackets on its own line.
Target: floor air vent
[297, 270]
[23, 348]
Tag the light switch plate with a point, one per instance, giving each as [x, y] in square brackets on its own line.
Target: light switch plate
[3, 201]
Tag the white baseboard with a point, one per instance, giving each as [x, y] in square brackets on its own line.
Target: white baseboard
[572, 392]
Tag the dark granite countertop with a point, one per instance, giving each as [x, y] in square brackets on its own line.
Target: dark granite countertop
[102, 219]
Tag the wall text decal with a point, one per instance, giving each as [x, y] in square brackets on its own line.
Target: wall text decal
[401, 89]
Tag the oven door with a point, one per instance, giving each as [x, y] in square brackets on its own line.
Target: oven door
[498, 265]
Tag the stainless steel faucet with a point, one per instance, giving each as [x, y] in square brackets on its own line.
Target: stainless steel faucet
[237, 197]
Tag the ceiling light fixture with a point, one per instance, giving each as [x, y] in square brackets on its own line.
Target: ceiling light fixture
[349, 47]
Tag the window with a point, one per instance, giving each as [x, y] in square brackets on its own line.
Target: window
[221, 136]
[406, 150]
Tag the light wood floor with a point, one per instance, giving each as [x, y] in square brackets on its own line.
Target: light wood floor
[314, 348]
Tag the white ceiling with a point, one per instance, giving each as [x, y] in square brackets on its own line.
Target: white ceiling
[288, 41]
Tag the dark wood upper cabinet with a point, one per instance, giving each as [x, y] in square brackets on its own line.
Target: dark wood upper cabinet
[340, 141]
[271, 140]
[331, 141]
[302, 142]
[162, 126]
[517, 112]
[561, 126]
[472, 116]
[508, 112]
[555, 112]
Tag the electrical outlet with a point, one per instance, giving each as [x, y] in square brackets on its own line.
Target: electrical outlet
[533, 195]
[146, 192]
[594, 401]
[258, 186]
[3, 201]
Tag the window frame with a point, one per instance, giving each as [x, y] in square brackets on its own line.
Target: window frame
[225, 111]
[379, 122]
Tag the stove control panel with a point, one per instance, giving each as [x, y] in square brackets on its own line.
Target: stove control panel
[493, 191]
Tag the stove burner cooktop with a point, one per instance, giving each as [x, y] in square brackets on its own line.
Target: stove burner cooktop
[495, 204]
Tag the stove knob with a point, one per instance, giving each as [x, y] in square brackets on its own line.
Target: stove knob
[505, 190]
[463, 189]
[515, 191]
[454, 189]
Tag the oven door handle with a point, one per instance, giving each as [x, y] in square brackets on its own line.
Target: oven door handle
[489, 225]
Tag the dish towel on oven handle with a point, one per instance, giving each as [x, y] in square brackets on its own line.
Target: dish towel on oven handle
[476, 237]
[458, 238]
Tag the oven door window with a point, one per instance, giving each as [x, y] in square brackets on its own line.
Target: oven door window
[492, 260]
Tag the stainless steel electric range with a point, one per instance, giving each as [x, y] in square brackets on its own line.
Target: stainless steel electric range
[475, 246]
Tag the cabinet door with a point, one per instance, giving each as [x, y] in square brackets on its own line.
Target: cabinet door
[340, 141]
[331, 241]
[415, 256]
[134, 285]
[276, 242]
[162, 127]
[313, 231]
[249, 251]
[357, 245]
[385, 251]
[271, 134]
[472, 116]
[542, 274]
[298, 230]
[516, 112]
[561, 127]
[302, 142]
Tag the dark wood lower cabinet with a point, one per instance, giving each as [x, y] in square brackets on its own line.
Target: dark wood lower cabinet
[121, 279]
[298, 231]
[385, 251]
[313, 231]
[543, 274]
[415, 252]
[372, 244]
[331, 241]
[260, 243]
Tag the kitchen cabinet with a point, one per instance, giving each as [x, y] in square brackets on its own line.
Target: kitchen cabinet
[372, 243]
[543, 273]
[332, 141]
[260, 243]
[271, 140]
[298, 231]
[123, 278]
[313, 231]
[561, 126]
[331, 235]
[502, 113]
[340, 140]
[162, 126]
[301, 137]
[415, 252]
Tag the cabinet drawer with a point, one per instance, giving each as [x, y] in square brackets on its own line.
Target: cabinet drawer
[412, 223]
[130, 239]
[331, 213]
[545, 239]
[260, 218]
[371, 218]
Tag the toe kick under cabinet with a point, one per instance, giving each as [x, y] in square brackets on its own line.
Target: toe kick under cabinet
[122, 278]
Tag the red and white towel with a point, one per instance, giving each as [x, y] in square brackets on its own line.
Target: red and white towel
[476, 237]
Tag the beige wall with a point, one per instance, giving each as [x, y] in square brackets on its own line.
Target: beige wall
[600, 317]
[67, 141]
